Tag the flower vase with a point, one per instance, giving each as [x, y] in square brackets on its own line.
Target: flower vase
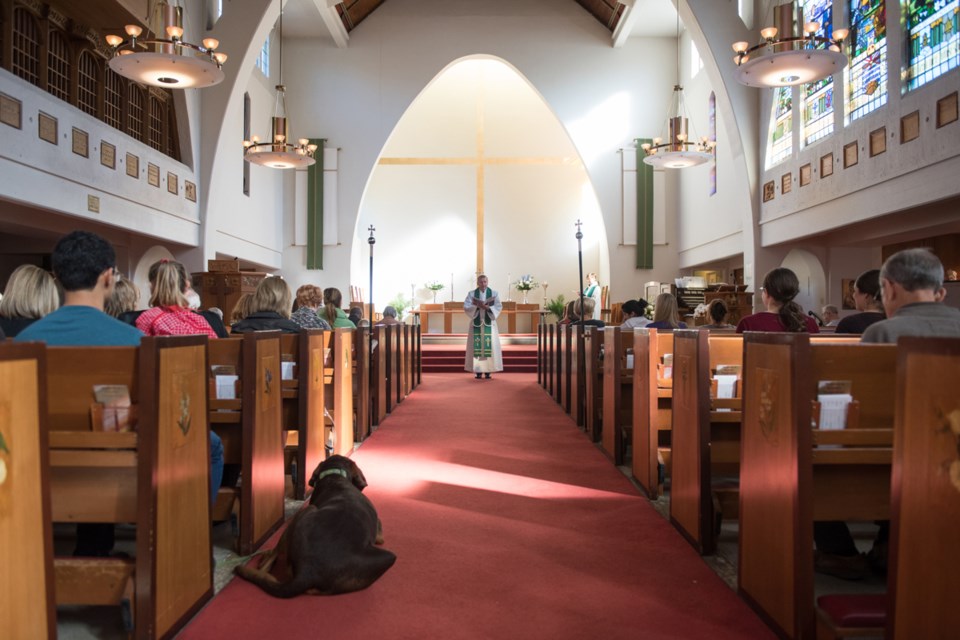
[524, 295]
[434, 296]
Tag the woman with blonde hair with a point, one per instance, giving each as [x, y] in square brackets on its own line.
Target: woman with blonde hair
[270, 308]
[31, 293]
[665, 314]
[332, 313]
[309, 299]
[169, 313]
[123, 301]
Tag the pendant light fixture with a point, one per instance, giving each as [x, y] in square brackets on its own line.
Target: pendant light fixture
[171, 63]
[279, 153]
[782, 59]
[678, 152]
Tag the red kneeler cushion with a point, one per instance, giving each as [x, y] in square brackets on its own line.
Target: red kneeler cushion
[860, 611]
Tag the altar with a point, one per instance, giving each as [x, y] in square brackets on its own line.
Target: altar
[448, 317]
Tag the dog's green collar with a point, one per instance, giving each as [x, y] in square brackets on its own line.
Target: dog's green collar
[332, 472]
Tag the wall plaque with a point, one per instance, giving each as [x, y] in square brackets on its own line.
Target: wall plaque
[768, 191]
[786, 183]
[81, 143]
[806, 174]
[47, 127]
[947, 110]
[93, 204]
[910, 127]
[108, 155]
[133, 166]
[153, 174]
[173, 183]
[878, 141]
[826, 165]
[190, 190]
[11, 111]
[851, 154]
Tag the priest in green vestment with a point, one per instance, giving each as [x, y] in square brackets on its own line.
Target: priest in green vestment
[483, 340]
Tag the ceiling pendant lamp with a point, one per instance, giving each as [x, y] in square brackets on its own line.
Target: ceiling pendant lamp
[279, 153]
[783, 59]
[679, 151]
[172, 62]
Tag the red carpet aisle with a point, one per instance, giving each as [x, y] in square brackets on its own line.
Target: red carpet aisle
[507, 523]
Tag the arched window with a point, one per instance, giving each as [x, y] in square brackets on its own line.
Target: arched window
[26, 46]
[934, 39]
[58, 65]
[817, 97]
[867, 87]
[780, 145]
[115, 92]
[88, 82]
[173, 135]
[135, 113]
[155, 122]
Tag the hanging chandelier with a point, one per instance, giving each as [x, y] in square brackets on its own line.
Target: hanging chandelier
[679, 151]
[279, 153]
[782, 59]
[171, 62]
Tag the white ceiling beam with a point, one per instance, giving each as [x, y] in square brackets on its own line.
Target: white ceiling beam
[328, 12]
[625, 25]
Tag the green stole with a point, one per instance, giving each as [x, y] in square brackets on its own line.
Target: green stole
[589, 291]
[482, 331]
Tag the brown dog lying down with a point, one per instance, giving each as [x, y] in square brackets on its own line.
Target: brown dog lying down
[328, 547]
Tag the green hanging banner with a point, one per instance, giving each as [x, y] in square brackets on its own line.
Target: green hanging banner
[315, 207]
[644, 208]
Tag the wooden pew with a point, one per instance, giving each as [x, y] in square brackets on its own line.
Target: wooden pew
[577, 380]
[303, 405]
[569, 336]
[550, 357]
[378, 377]
[651, 405]
[592, 382]
[541, 345]
[27, 607]
[704, 439]
[392, 363]
[339, 390]
[791, 474]
[617, 393]
[361, 384]
[925, 512]
[157, 477]
[558, 369]
[252, 432]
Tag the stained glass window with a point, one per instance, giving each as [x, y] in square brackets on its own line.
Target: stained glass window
[867, 87]
[934, 46]
[781, 126]
[817, 97]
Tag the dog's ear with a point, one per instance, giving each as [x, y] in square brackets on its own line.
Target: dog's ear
[316, 472]
[357, 477]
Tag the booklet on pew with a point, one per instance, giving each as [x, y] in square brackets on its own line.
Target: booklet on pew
[834, 397]
[288, 367]
[225, 378]
[112, 409]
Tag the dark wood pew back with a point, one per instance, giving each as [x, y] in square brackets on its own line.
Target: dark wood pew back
[592, 386]
[651, 405]
[303, 401]
[617, 412]
[26, 537]
[378, 376]
[339, 390]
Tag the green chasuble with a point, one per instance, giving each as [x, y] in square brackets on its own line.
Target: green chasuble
[482, 333]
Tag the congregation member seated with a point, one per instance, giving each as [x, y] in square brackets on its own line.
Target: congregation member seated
[830, 315]
[718, 312]
[569, 314]
[866, 297]
[213, 316]
[83, 263]
[780, 287]
[169, 313]
[355, 316]
[122, 303]
[269, 309]
[241, 309]
[633, 317]
[31, 293]
[309, 299]
[389, 316]
[665, 314]
[911, 285]
[332, 313]
[589, 305]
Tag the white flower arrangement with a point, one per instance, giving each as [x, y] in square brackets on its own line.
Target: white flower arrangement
[434, 285]
[701, 310]
[526, 283]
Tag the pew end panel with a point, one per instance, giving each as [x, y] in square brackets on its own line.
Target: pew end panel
[340, 391]
[644, 463]
[27, 593]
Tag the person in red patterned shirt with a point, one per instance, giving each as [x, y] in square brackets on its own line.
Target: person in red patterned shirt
[169, 313]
